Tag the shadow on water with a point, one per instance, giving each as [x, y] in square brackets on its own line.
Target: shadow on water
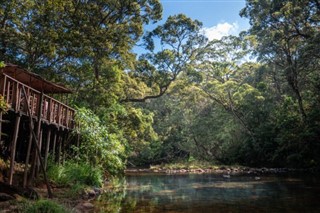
[212, 193]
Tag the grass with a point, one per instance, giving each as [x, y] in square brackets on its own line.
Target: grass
[72, 173]
[44, 206]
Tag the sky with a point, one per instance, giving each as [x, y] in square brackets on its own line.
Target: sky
[219, 17]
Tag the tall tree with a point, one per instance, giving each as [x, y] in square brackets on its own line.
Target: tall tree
[53, 34]
[225, 78]
[288, 35]
[179, 39]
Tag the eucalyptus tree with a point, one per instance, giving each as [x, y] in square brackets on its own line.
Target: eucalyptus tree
[53, 34]
[173, 47]
[224, 76]
[287, 34]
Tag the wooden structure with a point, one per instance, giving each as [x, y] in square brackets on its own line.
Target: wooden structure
[33, 116]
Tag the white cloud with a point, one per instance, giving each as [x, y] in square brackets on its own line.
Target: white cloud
[220, 30]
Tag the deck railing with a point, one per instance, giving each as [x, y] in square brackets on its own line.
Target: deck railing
[53, 111]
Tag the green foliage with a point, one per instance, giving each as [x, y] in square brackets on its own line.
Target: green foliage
[98, 146]
[180, 40]
[44, 206]
[115, 195]
[189, 99]
[75, 174]
[287, 36]
[3, 105]
[60, 33]
[136, 125]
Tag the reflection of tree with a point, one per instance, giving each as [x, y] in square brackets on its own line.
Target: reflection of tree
[201, 193]
[111, 201]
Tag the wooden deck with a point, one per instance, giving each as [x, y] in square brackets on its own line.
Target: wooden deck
[52, 112]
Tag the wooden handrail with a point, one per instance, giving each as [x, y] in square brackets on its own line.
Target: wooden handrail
[53, 111]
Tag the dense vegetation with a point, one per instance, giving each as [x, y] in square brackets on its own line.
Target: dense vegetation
[252, 99]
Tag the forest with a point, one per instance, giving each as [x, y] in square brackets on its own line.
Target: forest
[252, 99]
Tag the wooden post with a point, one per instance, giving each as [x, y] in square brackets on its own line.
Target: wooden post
[3, 89]
[25, 175]
[54, 146]
[59, 148]
[13, 147]
[47, 148]
[64, 144]
[38, 162]
[3, 80]
[8, 92]
[15, 101]
[35, 162]
[50, 195]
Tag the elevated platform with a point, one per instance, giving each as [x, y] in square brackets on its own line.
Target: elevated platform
[12, 81]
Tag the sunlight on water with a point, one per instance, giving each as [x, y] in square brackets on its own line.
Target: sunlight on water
[212, 193]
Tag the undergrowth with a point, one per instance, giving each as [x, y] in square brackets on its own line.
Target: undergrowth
[44, 206]
[74, 174]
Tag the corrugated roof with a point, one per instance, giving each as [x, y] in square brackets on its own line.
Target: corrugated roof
[33, 80]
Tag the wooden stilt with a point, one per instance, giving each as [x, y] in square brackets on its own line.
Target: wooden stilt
[54, 146]
[59, 148]
[25, 175]
[38, 161]
[33, 166]
[35, 163]
[13, 147]
[47, 149]
[35, 139]
[64, 143]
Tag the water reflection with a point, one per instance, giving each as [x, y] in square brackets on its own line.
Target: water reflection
[212, 193]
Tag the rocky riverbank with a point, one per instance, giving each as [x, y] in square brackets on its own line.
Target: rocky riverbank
[223, 170]
[79, 202]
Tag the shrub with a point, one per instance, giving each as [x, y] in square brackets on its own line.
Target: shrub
[98, 146]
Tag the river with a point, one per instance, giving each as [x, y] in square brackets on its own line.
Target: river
[213, 193]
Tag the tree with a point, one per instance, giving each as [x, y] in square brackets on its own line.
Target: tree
[225, 78]
[53, 34]
[180, 40]
[287, 34]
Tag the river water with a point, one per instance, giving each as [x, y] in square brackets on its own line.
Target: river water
[213, 193]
